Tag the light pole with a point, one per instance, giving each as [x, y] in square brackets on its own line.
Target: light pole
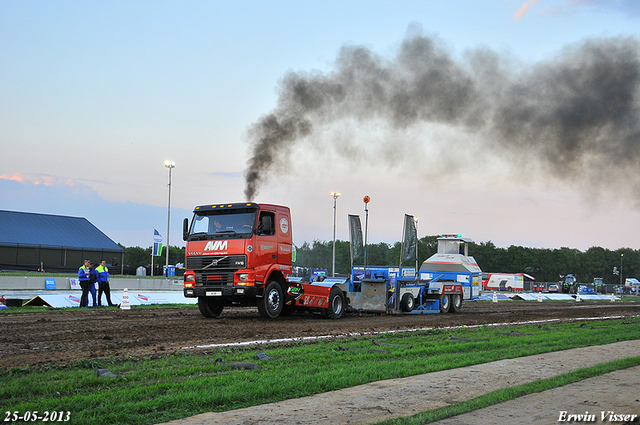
[621, 256]
[169, 165]
[335, 196]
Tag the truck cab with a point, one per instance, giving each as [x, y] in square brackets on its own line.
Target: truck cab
[238, 254]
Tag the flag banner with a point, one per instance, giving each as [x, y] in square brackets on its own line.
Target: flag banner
[157, 243]
[355, 236]
[409, 239]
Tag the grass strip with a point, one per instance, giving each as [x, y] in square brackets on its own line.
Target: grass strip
[158, 389]
[511, 393]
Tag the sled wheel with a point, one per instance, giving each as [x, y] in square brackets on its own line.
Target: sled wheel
[272, 301]
[408, 302]
[210, 307]
[445, 303]
[456, 303]
[336, 304]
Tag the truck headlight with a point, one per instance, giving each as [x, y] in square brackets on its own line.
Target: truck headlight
[189, 280]
[243, 276]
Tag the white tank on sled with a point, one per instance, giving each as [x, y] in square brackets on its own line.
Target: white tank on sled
[452, 263]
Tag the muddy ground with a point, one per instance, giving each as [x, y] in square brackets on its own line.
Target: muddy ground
[63, 336]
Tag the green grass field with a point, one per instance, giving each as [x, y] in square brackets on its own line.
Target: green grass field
[152, 390]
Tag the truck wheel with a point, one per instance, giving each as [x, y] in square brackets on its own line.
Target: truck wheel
[445, 303]
[210, 307]
[272, 301]
[407, 303]
[336, 304]
[456, 303]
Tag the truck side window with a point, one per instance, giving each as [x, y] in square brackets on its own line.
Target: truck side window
[263, 225]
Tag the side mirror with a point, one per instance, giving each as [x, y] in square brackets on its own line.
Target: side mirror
[185, 229]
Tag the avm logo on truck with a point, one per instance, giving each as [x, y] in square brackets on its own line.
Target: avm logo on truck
[216, 246]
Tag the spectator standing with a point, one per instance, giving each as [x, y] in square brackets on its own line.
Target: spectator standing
[103, 283]
[93, 279]
[83, 276]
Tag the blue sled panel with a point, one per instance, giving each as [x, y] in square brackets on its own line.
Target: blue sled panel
[429, 306]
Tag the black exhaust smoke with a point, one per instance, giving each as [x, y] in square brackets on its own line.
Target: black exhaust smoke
[577, 116]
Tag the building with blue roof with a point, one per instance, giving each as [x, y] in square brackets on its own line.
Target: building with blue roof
[31, 241]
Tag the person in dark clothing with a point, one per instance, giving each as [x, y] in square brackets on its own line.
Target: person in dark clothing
[93, 279]
[103, 283]
[83, 276]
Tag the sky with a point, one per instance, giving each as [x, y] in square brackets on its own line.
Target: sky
[510, 121]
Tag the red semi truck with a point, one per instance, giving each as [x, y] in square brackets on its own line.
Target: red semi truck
[240, 254]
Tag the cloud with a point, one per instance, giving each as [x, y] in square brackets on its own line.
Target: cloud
[524, 9]
[45, 179]
[631, 8]
[32, 179]
[127, 223]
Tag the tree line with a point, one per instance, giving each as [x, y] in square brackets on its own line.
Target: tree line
[546, 265]
[135, 256]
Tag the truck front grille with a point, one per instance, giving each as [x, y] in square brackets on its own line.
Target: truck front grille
[216, 270]
[214, 279]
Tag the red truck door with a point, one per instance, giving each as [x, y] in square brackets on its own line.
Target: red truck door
[283, 230]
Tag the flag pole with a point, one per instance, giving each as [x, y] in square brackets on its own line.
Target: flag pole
[404, 225]
[415, 219]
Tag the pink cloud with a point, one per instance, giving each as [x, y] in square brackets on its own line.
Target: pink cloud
[16, 177]
[38, 179]
[524, 9]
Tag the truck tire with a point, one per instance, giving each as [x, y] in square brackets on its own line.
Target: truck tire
[272, 301]
[456, 303]
[407, 303]
[445, 303]
[336, 304]
[210, 307]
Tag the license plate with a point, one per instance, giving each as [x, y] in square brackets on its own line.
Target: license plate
[214, 293]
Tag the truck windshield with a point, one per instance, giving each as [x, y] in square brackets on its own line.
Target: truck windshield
[229, 224]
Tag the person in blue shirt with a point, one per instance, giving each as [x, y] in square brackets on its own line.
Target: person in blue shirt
[83, 276]
[103, 283]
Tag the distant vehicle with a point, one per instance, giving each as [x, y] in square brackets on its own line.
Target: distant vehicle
[631, 285]
[568, 284]
[537, 287]
[553, 288]
[599, 285]
[505, 281]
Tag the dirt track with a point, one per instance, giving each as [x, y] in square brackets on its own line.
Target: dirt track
[62, 336]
